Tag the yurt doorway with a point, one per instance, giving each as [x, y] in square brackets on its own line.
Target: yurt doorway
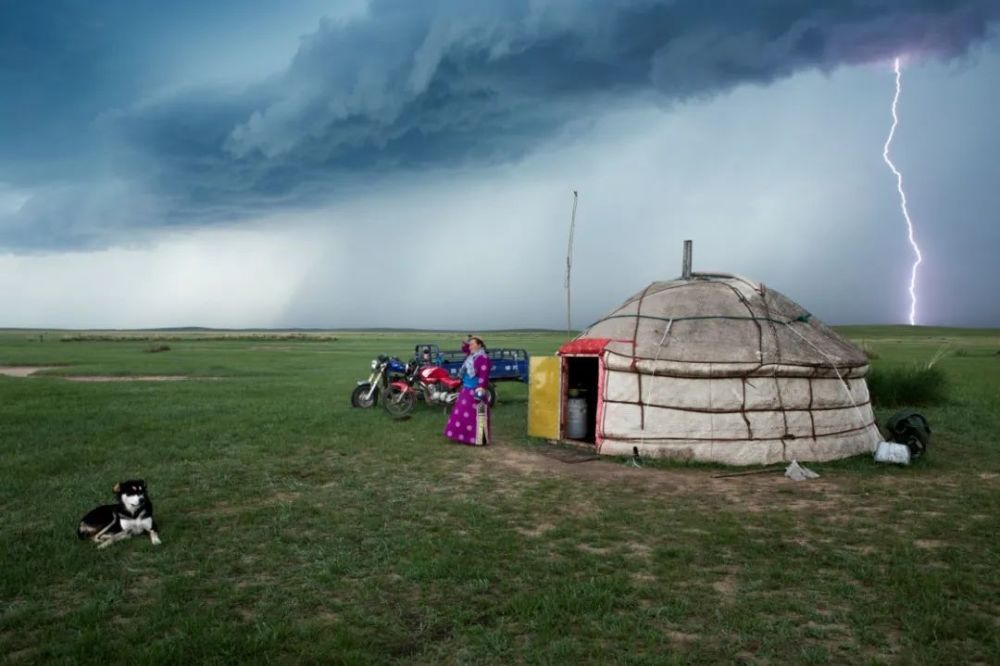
[580, 398]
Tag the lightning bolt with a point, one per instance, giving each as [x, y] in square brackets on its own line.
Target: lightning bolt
[902, 198]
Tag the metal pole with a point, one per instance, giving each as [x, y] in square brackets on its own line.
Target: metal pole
[569, 263]
[686, 267]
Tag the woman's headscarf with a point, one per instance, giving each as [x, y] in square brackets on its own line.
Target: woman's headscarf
[469, 366]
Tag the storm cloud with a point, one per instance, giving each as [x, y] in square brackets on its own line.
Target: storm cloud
[392, 88]
[409, 72]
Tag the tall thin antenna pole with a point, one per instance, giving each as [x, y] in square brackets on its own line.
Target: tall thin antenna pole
[569, 262]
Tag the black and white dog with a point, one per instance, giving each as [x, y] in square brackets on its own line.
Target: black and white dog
[115, 522]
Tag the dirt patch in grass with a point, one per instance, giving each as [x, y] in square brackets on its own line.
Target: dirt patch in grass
[746, 657]
[536, 531]
[929, 544]
[639, 550]
[131, 378]
[725, 586]
[525, 461]
[642, 578]
[827, 628]
[23, 370]
[31, 370]
[753, 494]
[252, 503]
[811, 508]
[681, 637]
[327, 617]
[22, 656]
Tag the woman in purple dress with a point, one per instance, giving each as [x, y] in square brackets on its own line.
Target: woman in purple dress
[475, 376]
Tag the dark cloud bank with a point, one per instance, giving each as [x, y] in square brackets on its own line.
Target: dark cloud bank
[416, 85]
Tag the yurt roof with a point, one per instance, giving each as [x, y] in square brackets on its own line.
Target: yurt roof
[718, 324]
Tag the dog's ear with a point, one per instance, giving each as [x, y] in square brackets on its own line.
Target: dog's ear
[117, 488]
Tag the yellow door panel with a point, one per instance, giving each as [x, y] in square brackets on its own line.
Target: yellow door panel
[545, 397]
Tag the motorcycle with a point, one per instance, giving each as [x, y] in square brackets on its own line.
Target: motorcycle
[385, 369]
[430, 383]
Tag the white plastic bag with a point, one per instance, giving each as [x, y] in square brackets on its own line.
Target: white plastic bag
[891, 452]
[797, 472]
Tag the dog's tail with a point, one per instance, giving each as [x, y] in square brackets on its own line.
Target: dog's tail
[85, 531]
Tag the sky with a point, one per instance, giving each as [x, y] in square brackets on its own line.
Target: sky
[389, 163]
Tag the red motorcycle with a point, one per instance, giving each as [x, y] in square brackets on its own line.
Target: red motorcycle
[430, 383]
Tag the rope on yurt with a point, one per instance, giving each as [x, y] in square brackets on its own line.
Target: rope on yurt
[760, 354]
[635, 342]
[656, 358]
[756, 319]
[694, 318]
[833, 364]
[777, 380]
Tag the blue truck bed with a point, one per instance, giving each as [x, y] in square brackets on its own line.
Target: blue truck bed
[507, 365]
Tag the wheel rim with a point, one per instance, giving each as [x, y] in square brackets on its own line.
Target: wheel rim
[361, 399]
[397, 403]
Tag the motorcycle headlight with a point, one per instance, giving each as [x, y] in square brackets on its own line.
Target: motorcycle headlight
[374, 363]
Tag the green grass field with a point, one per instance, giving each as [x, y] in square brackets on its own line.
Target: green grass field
[299, 530]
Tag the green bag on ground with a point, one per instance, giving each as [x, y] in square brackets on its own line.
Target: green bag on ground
[909, 427]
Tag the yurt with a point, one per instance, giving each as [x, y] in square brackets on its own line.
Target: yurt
[708, 367]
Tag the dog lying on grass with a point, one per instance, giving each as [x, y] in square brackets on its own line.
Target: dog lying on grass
[115, 522]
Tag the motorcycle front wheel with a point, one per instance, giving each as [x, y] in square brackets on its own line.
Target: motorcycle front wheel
[397, 402]
[360, 398]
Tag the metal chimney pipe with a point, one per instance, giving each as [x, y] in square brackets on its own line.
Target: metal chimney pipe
[686, 268]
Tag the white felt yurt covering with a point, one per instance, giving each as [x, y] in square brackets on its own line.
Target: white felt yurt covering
[720, 368]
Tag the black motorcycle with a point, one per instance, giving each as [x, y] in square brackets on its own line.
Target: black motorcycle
[384, 370]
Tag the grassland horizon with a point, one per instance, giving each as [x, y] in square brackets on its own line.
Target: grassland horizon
[851, 330]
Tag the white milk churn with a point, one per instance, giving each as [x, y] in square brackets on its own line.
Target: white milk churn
[576, 415]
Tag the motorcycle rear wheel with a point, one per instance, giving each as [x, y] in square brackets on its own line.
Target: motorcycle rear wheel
[398, 403]
[359, 396]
